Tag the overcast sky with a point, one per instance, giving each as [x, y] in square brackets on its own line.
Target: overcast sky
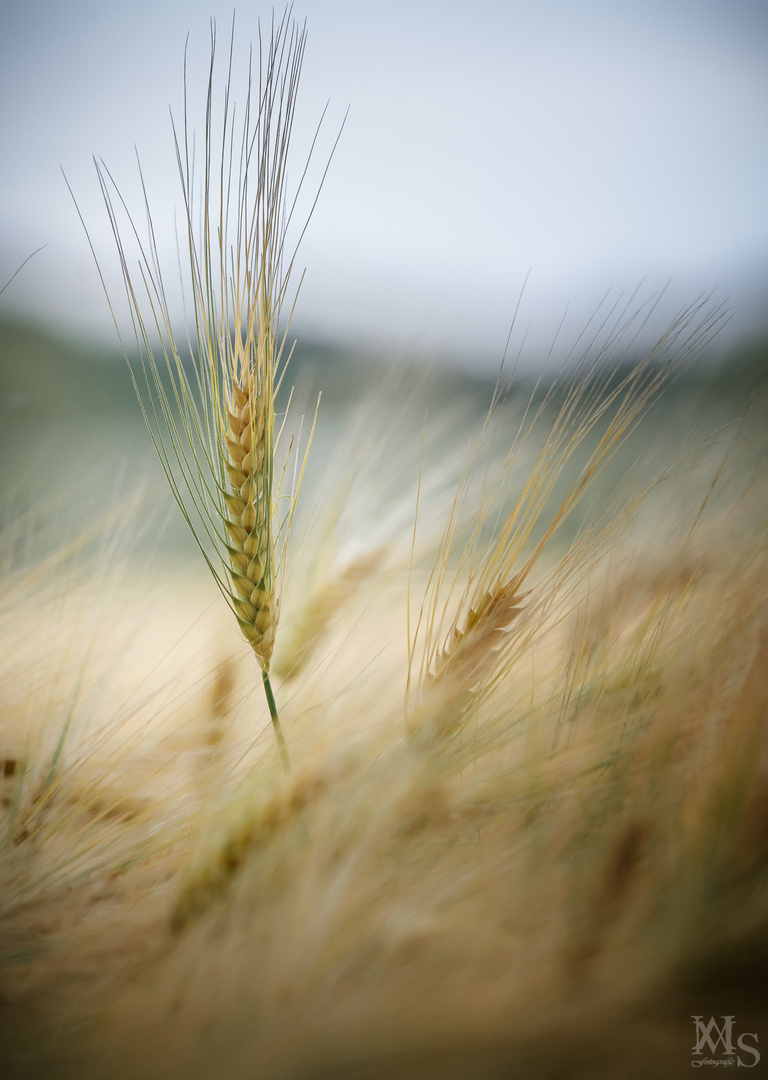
[590, 143]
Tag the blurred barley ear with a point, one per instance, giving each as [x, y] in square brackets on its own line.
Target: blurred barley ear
[210, 407]
[483, 605]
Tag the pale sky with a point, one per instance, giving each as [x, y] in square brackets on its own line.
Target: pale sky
[586, 144]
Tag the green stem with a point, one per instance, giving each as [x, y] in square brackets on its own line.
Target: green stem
[276, 722]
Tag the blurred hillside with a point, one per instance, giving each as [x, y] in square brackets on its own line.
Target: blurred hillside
[74, 446]
[41, 373]
[71, 429]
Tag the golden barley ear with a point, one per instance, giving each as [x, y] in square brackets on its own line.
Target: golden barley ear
[248, 517]
[483, 634]
[250, 827]
[481, 608]
[462, 671]
[211, 413]
[322, 608]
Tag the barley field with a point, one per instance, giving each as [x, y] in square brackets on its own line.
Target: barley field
[503, 808]
[543, 862]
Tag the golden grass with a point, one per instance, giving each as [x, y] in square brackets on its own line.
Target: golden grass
[567, 868]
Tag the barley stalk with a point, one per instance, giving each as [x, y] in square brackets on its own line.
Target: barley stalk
[215, 430]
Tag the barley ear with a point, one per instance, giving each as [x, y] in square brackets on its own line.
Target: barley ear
[214, 428]
[475, 619]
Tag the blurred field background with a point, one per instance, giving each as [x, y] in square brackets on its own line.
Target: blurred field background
[557, 889]
[69, 415]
